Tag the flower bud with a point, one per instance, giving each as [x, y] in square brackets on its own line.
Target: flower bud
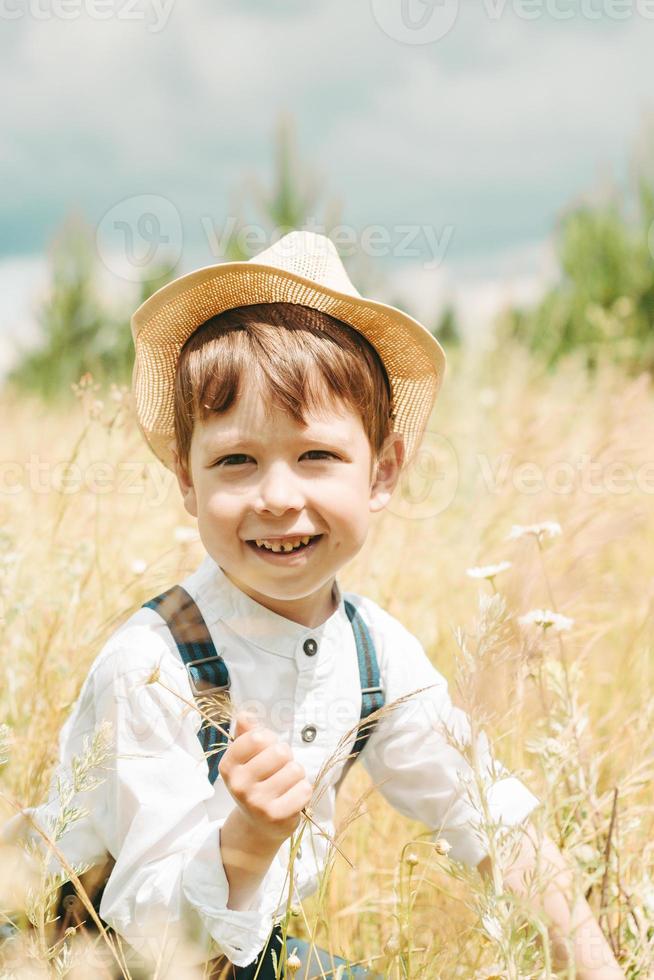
[293, 962]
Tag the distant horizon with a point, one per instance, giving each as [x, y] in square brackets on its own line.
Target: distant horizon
[477, 289]
[476, 135]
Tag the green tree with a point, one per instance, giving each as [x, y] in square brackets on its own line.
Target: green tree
[603, 302]
[78, 335]
[447, 329]
[290, 203]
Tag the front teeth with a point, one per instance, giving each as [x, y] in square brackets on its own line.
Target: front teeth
[288, 545]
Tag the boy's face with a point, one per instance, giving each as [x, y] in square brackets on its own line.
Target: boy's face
[254, 473]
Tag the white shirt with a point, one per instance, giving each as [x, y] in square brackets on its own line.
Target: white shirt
[159, 817]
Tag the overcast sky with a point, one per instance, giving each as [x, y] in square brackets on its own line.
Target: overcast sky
[474, 126]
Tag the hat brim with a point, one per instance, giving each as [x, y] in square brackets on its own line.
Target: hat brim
[413, 358]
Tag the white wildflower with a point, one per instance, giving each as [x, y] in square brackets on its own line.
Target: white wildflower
[139, 566]
[119, 393]
[5, 742]
[586, 854]
[542, 531]
[293, 962]
[96, 408]
[492, 927]
[185, 535]
[488, 571]
[647, 894]
[546, 618]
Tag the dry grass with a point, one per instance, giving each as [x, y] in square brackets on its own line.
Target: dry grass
[571, 711]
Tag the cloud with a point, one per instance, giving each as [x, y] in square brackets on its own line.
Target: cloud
[491, 130]
[567, 103]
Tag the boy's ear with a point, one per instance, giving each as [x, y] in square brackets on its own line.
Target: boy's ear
[386, 471]
[185, 481]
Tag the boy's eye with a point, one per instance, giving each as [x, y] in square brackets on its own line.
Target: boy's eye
[236, 459]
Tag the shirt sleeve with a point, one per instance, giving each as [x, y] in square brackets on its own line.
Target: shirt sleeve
[419, 753]
[153, 813]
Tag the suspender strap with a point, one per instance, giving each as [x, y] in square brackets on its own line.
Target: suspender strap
[208, 673]
[372, 693]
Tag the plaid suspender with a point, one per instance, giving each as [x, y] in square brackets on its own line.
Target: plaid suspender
[372, 693]
[208, 671]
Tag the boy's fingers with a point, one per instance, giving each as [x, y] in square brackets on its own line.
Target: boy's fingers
[284, 780]
[270, 759]
[250, 739]
[244, 723]
[290, 803]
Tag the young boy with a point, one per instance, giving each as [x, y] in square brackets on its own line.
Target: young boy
[287, 405]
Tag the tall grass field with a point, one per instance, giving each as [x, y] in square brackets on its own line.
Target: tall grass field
[520, 551]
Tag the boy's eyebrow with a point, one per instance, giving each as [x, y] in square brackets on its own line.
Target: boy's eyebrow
[230, 439]
[217, 443]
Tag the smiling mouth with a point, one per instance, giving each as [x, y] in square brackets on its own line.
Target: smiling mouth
[284, 546]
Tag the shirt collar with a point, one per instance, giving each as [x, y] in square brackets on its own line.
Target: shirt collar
[223, 602]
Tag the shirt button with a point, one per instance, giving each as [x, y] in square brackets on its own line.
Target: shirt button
[310, 647]
[309, 733]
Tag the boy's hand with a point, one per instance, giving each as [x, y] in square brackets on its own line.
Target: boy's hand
[264, 779]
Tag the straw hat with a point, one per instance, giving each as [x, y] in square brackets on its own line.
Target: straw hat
[302, 267]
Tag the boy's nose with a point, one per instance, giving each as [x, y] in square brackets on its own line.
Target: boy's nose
[279, 491]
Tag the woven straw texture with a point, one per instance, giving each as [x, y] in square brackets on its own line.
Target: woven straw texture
[304, 268]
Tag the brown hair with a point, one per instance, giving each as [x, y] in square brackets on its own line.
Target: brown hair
[301, 356]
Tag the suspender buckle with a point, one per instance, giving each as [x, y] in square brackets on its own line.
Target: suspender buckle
[204, 688]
